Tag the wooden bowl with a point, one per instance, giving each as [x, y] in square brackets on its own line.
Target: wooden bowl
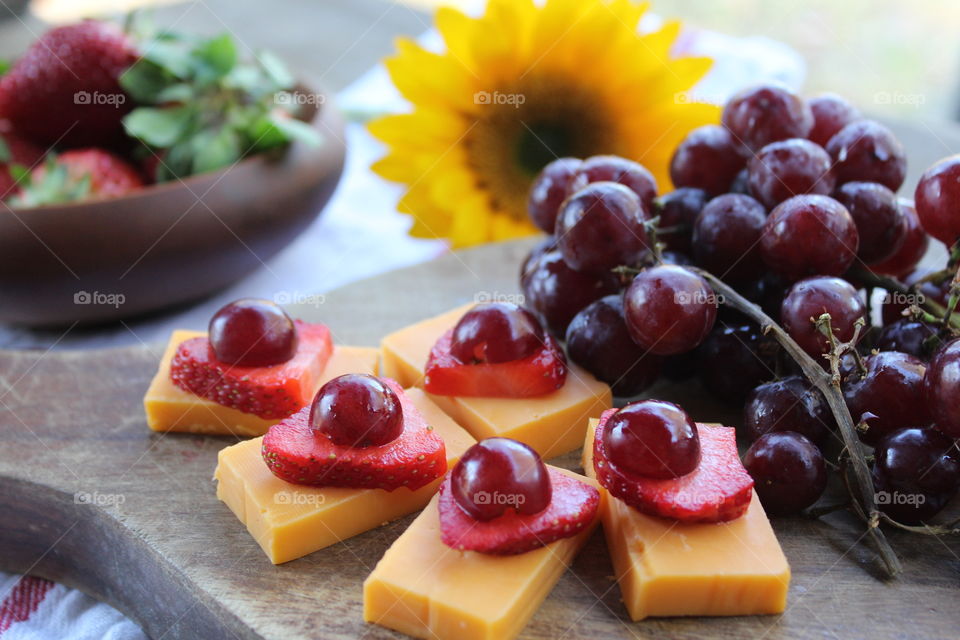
[170, 243]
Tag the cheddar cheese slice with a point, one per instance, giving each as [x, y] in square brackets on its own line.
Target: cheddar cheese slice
[666, 568]
[289, 521]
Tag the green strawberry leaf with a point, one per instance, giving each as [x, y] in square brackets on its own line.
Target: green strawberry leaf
[215, 58]
[159, 127]
[296, 129]
[5, 66]
[216, 149]
[180, 92]
[5, 155]
[172, 55]
[19, 173]
[276, 70]
[145, 80]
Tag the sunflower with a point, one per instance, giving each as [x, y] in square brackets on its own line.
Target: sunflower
[518, 87]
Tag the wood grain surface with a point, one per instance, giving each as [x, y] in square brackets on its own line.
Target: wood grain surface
[91, 498]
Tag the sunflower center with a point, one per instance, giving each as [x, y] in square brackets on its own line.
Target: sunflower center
[539, 144]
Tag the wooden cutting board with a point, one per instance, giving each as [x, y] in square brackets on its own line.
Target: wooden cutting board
[91, 498]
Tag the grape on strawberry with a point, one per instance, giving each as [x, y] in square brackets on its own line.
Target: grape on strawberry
[65, 88]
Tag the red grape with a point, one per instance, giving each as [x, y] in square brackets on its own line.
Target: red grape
[809, 235]
[357, 410]
[830, 114]
[881, 223]
[549, 190]
[726, 236]
[736, 347]
[938, 200]
[557, 292]
[669, 309]
[741, 184]
[496, 332]
[632, 175]
[808, 299]
[909, 336]
[707, 159]
[544, 246]
[498, 474]
[942, 388]
[788, 168]
[915, 474]
[677, 211]
[653, 439]
[252, 333]
[788, 471]
[601, 227]
[892, 390]
[790, 404]
[763, 114]
[867, 151]
[598, 340]
[912, 249]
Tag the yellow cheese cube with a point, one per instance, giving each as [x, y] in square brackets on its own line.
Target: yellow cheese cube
[289, 521]
[170, 408]
[423, 588]
[552, 424]
[668, 568]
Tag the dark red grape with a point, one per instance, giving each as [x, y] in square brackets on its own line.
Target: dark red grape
[788, 471]
[557, 292]
[496, 332]
[735, 347]
[601, 227]
[676, 258]
[763, 114]
[909, 336]
[809, 235]
[669, 309]
[942, 388]
[547, 244]
[357, 410]
[741, 184]
[252, 333]
[789, 168]
[916, 472]
[867, 151]
[677, 211]
[912, 249]
[707, 159]
[500, 474]
[681, 367]
[598, 340]
[892, 390]
[632, 175]
[726, 236]
[830, 114]
[549, 190]
[938, 197]
[789, 404]
[653, 439]
[808, 299]
[881, 224]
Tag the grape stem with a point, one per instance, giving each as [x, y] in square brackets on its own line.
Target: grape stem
[829, 385]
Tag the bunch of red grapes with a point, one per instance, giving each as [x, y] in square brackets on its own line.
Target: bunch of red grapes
[789, 202]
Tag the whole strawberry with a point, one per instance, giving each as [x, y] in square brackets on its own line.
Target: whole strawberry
[81, 174]
[64, 90]
[14, 150]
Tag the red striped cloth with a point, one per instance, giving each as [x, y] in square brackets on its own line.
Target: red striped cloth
[23, 600]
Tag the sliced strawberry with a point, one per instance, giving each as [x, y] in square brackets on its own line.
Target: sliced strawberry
[573, 506]
[719, 489]
[296, 453]
[541, 373]
[269, 392]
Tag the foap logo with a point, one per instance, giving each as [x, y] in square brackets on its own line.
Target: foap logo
[299, 297]
[99, 499]
[906, 299]
[497, 97]
[497, 497]
[900, 498]
[699, 297]
[298, 98]
[99, 298]
[482, 297]
[915, 100]
[698, 97]
[298, 497]
[99, 98]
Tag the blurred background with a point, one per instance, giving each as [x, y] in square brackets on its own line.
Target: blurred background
[893, 58]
